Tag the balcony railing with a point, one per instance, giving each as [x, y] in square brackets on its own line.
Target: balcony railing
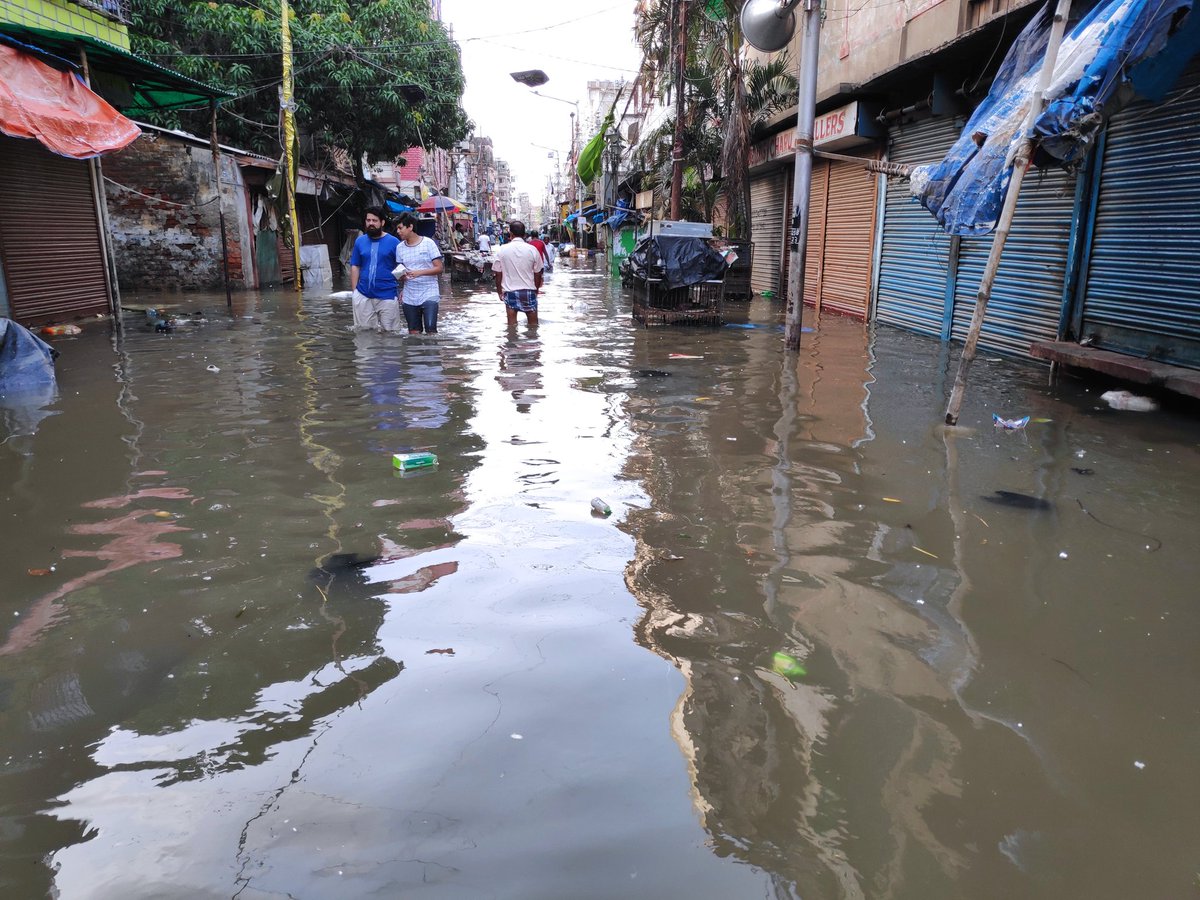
[117, 10]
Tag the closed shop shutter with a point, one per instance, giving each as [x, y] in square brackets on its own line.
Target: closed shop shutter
[1027, 296]
[915, 251]
[767, 212]
[849, 230]
[1142, 294]
[814, 253]
[50, 241]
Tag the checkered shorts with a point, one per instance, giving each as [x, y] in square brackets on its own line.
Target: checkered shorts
[522, 301]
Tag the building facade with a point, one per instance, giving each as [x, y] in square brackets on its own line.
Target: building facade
[1090, 257]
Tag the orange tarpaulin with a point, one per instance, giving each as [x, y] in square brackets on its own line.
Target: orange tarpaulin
[56, 108]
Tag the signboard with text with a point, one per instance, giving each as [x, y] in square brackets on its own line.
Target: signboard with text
[834, 130]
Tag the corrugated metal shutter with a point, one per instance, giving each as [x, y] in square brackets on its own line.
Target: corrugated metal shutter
[814, 252]
[1142, 293]
[49, 238]
[915, 251]
[1027, 296]
[767, 211]
[849, 228]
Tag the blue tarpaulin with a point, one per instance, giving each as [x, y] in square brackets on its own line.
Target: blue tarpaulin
[965, 191]
[399, 207]
[27, 383]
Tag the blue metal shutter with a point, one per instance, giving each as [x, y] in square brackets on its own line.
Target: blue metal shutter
[915, 254]
[1142, 293]
[1027, 297]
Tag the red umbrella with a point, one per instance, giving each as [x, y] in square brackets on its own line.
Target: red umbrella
[441, 204]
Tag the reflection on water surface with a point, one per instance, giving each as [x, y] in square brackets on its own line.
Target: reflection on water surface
[261, 662]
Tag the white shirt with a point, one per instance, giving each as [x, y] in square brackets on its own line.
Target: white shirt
[518, 262]
[422, 288]
[485, 243]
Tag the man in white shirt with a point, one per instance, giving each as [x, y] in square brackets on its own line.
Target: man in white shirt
[518, 270]
[484, 242]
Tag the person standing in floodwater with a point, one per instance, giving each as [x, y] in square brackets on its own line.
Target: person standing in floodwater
[518, 270]
[375, 287]
[422, 261]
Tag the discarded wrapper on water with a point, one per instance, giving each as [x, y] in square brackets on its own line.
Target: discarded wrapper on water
[406, 462]
[787, 666]
[1011, 424]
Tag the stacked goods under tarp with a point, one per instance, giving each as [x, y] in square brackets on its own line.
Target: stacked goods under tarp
[677, 280]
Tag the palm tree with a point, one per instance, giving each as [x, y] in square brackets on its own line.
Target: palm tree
[725, 97]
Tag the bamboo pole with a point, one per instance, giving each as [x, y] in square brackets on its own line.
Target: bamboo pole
[1020, 165]
[288, 103]
[677, 146]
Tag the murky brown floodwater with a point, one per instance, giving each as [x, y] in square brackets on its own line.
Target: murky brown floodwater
[999, 701]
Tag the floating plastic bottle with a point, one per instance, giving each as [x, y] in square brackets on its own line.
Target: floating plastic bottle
[599, 506]
[406, 462]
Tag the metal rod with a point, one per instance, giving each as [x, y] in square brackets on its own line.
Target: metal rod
[1020, 165]
[100, 201]
[216, 158]
[289, 134]
[802, 189]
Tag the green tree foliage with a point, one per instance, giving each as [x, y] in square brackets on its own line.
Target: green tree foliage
[725, 98]
[352, 62]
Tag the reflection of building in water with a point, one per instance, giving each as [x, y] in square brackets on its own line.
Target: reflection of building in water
[825, 782]
[521, 369]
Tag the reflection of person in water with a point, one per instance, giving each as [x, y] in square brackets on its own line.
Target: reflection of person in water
[405, 383]
[521, 370]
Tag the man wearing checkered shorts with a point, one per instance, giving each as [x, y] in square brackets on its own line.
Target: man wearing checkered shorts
[517, 267]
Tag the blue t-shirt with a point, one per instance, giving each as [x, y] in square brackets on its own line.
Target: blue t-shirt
[376, 259]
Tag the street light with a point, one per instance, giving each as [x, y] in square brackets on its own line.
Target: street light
[768, 25]
[533, 78]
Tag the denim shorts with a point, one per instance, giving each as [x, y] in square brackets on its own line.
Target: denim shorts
[522, 301]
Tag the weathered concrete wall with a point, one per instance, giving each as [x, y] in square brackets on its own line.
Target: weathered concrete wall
[861, 41]
[163, 210]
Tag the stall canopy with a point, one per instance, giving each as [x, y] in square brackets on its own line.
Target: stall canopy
[57, 109]
[147, 85]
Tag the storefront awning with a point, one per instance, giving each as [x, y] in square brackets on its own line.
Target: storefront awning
[150, 86]
[57, 109]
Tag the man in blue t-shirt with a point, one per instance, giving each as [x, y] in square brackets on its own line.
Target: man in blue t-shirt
[375, 288]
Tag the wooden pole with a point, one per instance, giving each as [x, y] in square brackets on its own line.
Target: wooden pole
[1020, 164]
[100, 200]
[216, 158]
[677, 146]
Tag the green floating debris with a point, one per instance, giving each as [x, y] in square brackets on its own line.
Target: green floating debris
[406, 462]
[787, 666]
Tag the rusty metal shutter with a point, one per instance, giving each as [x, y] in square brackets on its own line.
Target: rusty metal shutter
[768, 209]
[50, 240]
[814, 252]
[849, 238]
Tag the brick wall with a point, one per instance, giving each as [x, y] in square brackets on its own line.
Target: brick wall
[165, 226]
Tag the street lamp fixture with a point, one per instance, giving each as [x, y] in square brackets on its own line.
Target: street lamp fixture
[530, 77]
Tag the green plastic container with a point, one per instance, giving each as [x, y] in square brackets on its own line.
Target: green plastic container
[406, 462]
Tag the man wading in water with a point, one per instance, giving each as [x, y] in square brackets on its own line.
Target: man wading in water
[375, 287]
[518, 270]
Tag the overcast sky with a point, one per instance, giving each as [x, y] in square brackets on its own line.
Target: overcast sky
[572, 43]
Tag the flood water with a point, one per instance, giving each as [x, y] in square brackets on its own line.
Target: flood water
[243, 657]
